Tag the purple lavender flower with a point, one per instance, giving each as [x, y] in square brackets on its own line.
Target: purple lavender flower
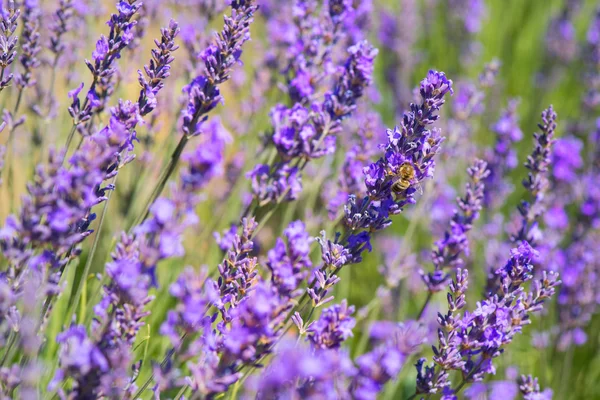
[56, 213]
[255, 326]
[393, 181]
[384, 362]
[61, 24]
[79, 355]
[159, 68]
[203, 93]
[537, 181]
[195, 294]
[561, 42]
[303, 134]
[391, 184]
[238, 271]
[447, 252]
[289, 264]
[470, 343]
[30, 46]
[530, 389]
[282, 183]
[303, 44]
[314, 374]
[102, 66]
[8, 26]
[566, 158]
[502, 157]
[333, 327]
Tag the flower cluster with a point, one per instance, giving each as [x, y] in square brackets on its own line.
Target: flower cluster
[471, 342]
[302, 133]
[103, 64]
[115, 285]
[394, 179]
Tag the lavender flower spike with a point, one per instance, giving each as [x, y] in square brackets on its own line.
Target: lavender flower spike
[203, 92]
[530, 389]
[333, 327]
[393, 180]
[60, 26]
[8, 42]
[448, 251]
[537, 181]
[102, 65]
[30, 44]
[159, 68]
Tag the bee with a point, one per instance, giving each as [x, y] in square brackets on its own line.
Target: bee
[405, 179]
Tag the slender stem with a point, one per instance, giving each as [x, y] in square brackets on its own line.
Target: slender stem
[469, 376]
[181, 392]
[566, 371]
[170, 354]
[166, 174]
[68, 144]
[11, 341]
[18, 103]
[427, 300]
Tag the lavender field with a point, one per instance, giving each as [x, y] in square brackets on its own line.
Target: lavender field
[288, 199]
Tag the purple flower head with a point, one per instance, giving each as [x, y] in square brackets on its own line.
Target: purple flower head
[238, 271]
[284, 183]
[314, 374]
[195, 294]
[519, 267]
[30, 44]
[385, 361]
[566, 158]
[292, 130]
[561, 42]
[333, 327]
[537, 181]
[8, 24]
[101, 49]
[357, 75]
[203, 93]
[289, 264]
[159, 68]
[530, 389]
[81, 359]
[103, 64]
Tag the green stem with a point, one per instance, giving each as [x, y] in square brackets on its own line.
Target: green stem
[427, 300]
[68, 143]
[168, 171]
[11, 341]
